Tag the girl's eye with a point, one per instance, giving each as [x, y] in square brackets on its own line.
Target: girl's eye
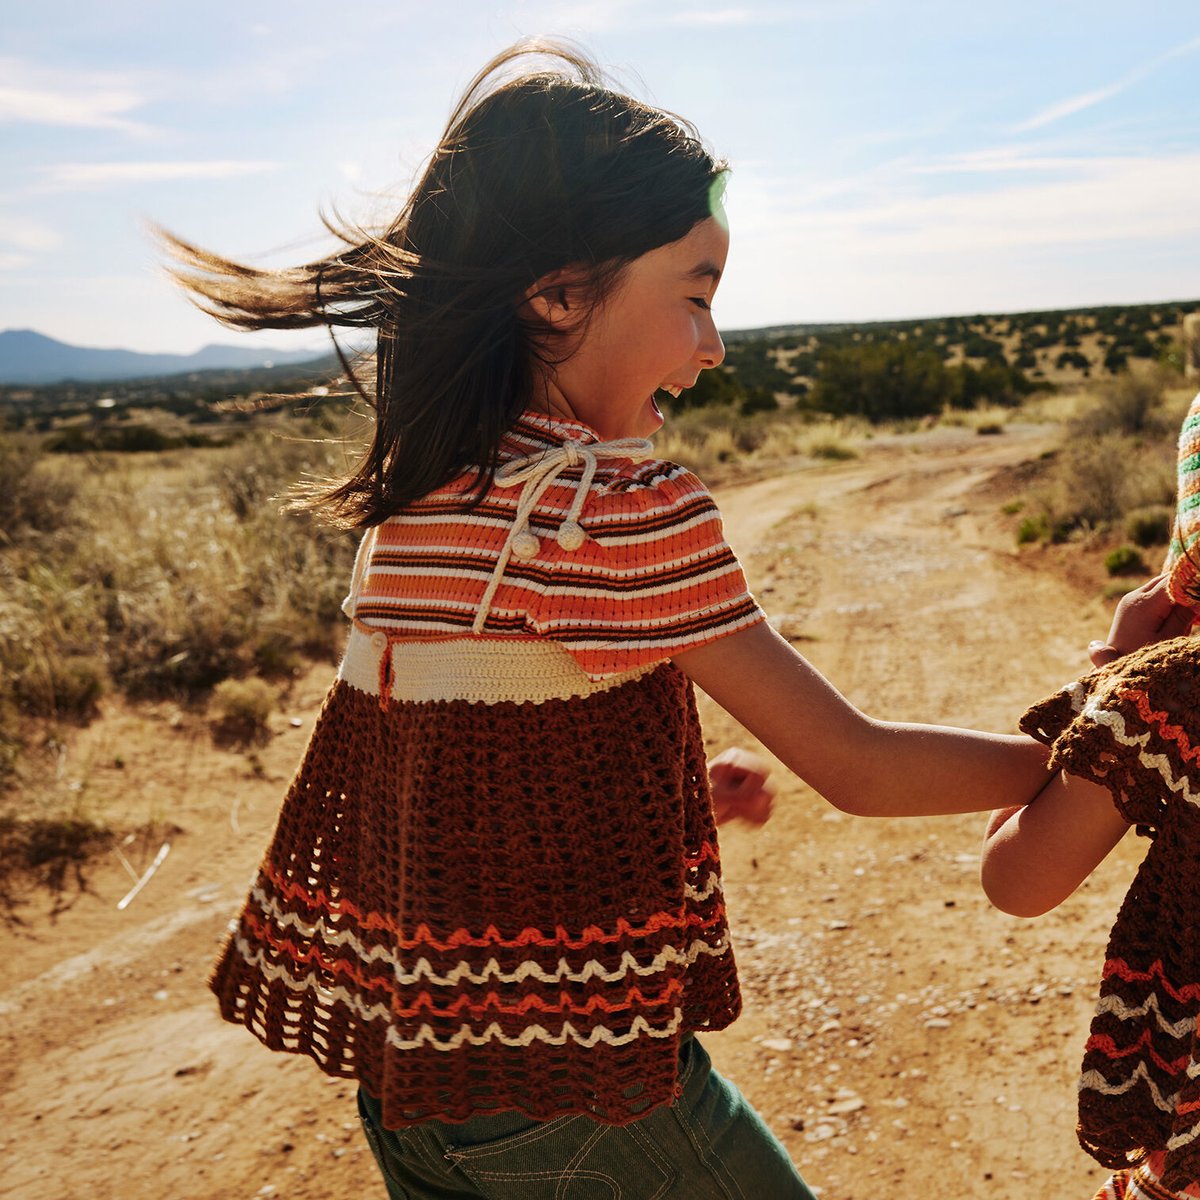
[700, 302]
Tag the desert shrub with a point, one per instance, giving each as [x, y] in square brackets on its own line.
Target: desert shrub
[241, 709]
[989, 428]
[758, 400]
[1073, 358]
[1116, 358]
[1129, 404]
[1149, 526]
[64, 685]
[881, 381]
[51, 639]
[1039, 528]
[1124, 560]
[830, 449]
[34, 496]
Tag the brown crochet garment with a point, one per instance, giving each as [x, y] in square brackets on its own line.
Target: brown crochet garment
[495, 882]
[1134, 726]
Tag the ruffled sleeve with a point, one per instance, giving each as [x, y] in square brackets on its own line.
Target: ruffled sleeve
[654, 576]
[1132, 726]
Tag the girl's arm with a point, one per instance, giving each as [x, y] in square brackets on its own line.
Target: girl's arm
[887, 768]
[861, 765]
[1034, 857]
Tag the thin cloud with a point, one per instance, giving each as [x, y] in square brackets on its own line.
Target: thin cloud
[36, 95]
[1107, 200]
[1008, 159]
[1074, 104]
[27, 234]
[706, 18]
[90, 175]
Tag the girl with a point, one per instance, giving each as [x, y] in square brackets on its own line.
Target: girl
[1126, 749]
[493, 896]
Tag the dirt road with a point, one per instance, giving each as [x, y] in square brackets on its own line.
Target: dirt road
[898, 1034]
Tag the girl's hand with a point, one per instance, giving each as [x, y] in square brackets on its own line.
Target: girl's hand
[738, 780]
[1143, 616]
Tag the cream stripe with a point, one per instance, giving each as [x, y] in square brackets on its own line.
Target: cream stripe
[1155, 762]
[1185, 1138]
[535, 1033]
[1094, 1081]
[425, 1035]
[476, 670]
[1115, 1006]
[490, 971]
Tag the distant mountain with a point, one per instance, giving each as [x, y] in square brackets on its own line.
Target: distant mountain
[33, 358]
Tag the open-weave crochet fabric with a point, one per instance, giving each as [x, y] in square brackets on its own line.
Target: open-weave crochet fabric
[495, 880]
[1134, 727]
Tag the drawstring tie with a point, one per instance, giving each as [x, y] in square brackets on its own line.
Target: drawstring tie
[538, 472]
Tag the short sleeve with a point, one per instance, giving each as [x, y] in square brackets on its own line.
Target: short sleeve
[654, 576]
[1133, 727]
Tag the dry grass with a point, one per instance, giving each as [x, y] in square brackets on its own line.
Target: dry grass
[152, 575]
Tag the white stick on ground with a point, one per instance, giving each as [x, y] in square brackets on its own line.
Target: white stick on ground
[145, 879]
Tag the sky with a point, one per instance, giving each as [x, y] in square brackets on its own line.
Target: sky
[891, 158]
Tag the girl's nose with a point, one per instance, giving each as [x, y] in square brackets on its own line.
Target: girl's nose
[712, 349]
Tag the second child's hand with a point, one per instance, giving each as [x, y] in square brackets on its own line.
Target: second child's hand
[1145, 615]
[738, 780]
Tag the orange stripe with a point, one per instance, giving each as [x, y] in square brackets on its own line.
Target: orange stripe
[1173, 733]
[530, 936]
[1122, 970]
[1109, 1048]
[492, 1002]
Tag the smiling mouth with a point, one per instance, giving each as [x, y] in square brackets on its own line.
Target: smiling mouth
[672, 389]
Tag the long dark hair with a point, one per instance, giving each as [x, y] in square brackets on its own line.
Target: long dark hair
[537, 171]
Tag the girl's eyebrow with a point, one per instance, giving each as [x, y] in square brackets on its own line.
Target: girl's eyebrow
[704, 270]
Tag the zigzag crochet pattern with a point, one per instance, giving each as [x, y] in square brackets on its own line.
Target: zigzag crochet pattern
[1134, 727]
[495, 881]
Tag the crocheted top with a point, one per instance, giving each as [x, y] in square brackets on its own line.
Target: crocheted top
[495, 880]
[1134, 726]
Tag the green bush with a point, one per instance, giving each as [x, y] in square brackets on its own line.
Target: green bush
[881, 381]
[1124, 560]
[1149, 526]
[241, 709]
[1033, 529]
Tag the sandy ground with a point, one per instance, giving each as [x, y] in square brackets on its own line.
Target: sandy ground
[898, 1034]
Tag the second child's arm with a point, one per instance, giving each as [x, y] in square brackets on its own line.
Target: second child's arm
[1035, 857]
[859, 764]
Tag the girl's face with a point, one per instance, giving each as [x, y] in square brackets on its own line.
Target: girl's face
[655, 330]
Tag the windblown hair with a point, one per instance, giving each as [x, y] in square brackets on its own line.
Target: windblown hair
[538, 170]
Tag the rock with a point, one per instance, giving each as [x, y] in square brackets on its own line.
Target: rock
[778, 1043]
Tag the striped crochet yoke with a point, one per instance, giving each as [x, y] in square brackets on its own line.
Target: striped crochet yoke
[1134, 727]
[495, 880]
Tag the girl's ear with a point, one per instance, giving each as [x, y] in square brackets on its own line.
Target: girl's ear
[555, 298]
